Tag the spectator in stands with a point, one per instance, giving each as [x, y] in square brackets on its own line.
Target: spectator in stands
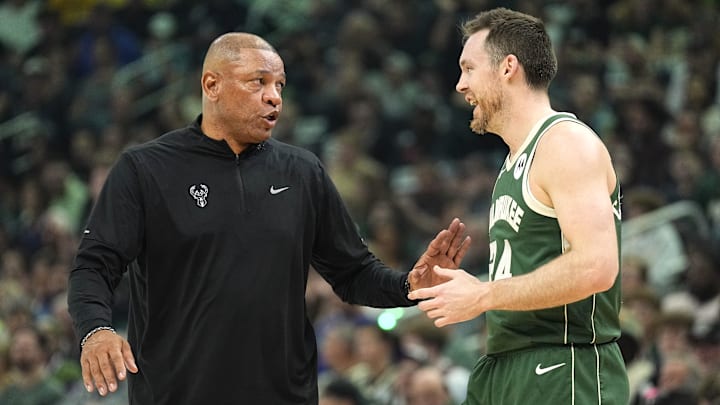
[104, 34]
[337, 353]
[378, 353]
[28, 379]
[701, 295]
[428, 344]
[341, 392]
[427, 387]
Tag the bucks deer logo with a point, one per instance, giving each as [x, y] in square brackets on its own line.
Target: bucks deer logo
[199, 193]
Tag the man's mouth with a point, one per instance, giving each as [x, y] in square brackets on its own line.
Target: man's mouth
[271, 119]
[273, 116]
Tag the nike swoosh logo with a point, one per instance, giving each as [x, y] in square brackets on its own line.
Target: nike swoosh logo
[539, 370]
[274, 190]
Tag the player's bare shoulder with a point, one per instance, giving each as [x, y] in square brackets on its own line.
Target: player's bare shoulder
[570, 144]
[569, 152]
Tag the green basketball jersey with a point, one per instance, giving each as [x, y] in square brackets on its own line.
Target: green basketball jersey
[524, 235]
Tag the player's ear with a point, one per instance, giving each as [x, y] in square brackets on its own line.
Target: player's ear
[510, 66]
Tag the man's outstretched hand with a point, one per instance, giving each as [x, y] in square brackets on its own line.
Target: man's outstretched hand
[446, 250]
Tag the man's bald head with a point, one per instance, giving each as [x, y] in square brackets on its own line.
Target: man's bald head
[227, 47]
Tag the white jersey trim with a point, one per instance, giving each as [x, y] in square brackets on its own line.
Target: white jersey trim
[572, 378]
[532, 202]
[597, 373]
[510, 160]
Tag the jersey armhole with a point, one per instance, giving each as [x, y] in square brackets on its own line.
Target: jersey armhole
[532, 202]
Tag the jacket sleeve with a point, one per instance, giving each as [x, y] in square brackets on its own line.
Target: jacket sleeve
[341, 257]
[112, 239]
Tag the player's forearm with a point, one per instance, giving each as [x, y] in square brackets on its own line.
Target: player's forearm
[569, 278]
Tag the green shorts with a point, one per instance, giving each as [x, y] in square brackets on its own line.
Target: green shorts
[553, 375]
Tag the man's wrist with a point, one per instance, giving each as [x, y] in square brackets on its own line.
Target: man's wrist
[94, 331]
[406, 285]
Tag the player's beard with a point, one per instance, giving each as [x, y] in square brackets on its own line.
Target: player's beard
[489, 106]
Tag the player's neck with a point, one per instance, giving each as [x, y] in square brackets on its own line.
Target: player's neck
[523, 113]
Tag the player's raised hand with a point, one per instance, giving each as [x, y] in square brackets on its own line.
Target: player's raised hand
[446, 250]
[105, 357]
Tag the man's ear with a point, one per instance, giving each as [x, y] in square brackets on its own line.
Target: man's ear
[510, 66]
[210, 84]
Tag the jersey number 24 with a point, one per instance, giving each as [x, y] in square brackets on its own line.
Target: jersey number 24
[500, 269]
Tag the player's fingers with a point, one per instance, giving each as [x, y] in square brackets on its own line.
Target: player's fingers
[420, 293]
[428, 304]
[434, 314]
[445, 273]
[462, 251]
[128, 357]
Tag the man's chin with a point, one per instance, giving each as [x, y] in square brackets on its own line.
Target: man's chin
[264, 135]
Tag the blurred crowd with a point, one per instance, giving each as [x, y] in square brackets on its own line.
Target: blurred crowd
[371, 91]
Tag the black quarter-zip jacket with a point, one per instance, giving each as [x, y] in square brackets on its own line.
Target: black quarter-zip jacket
[218, 248]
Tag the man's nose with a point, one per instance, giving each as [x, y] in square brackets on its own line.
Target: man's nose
[272, 96]
[461, 86]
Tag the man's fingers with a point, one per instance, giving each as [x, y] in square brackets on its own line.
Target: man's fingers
[454, 232]
[417, 294]
[128, 357]
[460, 254]
[105, 360]
[439, 243]
[457, 240]
[421, 294]
[96, 375]
[454, 225]
[447, 241]
[439, 318]
[434, 314]
[447, 273]
[118, 362]
[108, 373]
[87, 376]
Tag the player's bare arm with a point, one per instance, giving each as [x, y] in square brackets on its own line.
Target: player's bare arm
[576, 181]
